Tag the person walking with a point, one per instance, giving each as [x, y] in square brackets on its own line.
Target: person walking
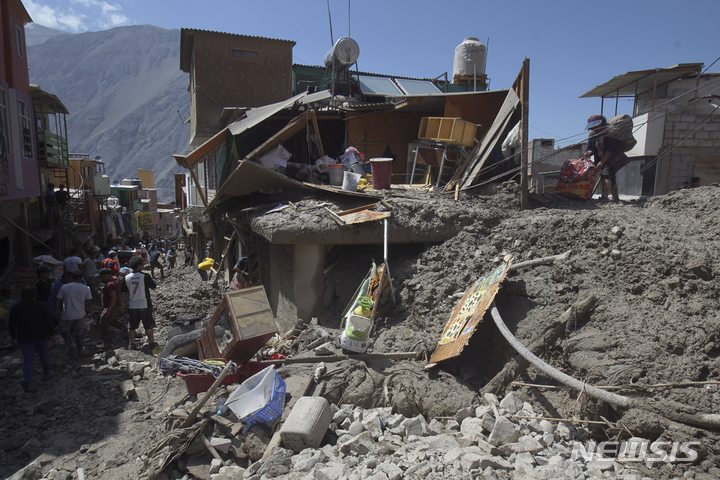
[138, 285]
[171, 256]
[188, 255]
[110, 303]
[155, 256]
[73, 307]
[31, 326]
[90, 273]
[73, 262]
[111, 262]
[44, 284]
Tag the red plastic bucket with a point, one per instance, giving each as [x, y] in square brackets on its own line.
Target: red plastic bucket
[381, 172]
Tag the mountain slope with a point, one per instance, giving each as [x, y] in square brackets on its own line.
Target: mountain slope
[123, 88]
[35, 34]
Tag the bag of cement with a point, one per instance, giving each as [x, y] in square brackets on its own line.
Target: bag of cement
[621, 128]
[259, 399]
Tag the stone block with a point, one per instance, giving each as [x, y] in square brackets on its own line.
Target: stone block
[307, 423]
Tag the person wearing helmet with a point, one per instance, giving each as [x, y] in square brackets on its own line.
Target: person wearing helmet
[608, 154]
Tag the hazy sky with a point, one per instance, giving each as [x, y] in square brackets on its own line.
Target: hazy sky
[573, 45]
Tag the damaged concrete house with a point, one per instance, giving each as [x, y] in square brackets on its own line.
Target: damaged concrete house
[251, 108]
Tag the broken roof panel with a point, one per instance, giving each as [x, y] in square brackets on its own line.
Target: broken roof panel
[379, 86]
[417, 87]
[631, 83]
[255, 116]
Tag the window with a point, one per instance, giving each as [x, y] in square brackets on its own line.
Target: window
[238, 53]
[25, 130]
[4, 143]
[19, 42]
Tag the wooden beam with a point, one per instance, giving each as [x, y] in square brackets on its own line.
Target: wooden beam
[524, 137]
[213, 143]
[313, 118]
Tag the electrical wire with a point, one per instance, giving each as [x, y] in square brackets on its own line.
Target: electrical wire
[332, 39]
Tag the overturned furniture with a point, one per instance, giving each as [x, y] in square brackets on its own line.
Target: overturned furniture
[246, 321]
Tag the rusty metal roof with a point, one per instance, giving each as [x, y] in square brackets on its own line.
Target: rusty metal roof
[186, 35]
[632, 83]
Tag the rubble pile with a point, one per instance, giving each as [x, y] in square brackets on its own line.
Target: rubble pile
[653, 336]
[481, 442]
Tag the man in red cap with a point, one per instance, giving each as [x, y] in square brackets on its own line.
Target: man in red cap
[608, 154]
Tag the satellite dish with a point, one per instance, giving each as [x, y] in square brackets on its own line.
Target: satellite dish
[345, 52]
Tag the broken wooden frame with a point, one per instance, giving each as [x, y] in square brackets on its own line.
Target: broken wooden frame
[367, 213]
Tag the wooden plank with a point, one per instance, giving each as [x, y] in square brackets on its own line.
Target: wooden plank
[313, 118]
[215, 142]
[468, 313]
[490, 140]
[524, 126]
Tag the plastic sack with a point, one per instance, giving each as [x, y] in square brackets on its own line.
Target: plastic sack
[259, 399]
[577, 179]
[278, 158]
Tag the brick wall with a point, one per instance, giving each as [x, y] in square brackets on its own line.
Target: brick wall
[685, 152]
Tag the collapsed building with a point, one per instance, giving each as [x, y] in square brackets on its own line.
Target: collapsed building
[440, 136]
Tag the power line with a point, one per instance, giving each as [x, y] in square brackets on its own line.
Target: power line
[332, 40]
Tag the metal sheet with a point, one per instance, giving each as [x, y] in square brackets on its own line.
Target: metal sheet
[468, 313]
[379, 86]
[624, 85]
[417, 87]
[255, 116]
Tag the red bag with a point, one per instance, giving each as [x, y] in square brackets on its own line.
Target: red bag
[578, 178]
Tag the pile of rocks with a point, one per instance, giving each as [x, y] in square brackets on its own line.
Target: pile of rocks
[489, 441]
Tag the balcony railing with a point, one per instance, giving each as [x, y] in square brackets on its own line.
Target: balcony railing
[52, 149]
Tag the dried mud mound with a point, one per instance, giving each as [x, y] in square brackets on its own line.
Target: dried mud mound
[652, 267]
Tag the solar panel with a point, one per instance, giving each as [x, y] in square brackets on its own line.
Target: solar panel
[378, 86]
[417, 87]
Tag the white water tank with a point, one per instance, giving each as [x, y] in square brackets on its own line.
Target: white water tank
[469, 58]
[345, 52]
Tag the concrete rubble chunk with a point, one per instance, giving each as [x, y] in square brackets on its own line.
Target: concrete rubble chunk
[464, 413]
[331, 471]
[472, 428]
[394, 421]
[361, 444]
[356, 428]
[392, 471]
[342, 414]
[504, 431]
[488, 422]
[220, 444]
[526, 443]
[278, 463]
[511, 403]
[482, 410]
[564, 431]
[547, 427]
[215, 465]
[372, 423]
[231, 472]
[415, 426]
[435, 427]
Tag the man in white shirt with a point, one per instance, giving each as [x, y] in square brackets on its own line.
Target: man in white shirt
[73, 261]
[72, 308]
[138, 285]
[90, 273]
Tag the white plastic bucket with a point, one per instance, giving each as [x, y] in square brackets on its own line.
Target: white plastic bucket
[335, 172]
[350, 181]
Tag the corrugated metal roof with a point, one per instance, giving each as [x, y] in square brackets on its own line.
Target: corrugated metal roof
[186, 35]
[630, 83]
[257, 115]
[370, 74]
